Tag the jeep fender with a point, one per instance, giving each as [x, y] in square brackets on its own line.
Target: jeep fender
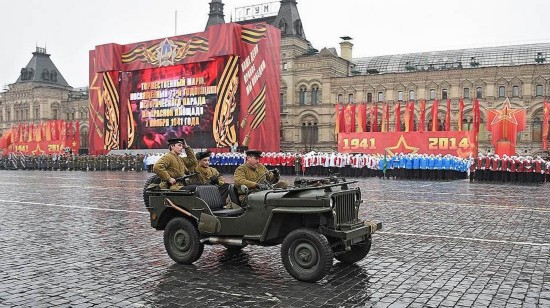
[293, 213]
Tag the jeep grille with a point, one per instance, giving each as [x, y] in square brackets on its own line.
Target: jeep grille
[344, 207]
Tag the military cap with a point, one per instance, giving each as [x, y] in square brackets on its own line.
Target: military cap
[201, 155]
[175, 140]
[254, 153]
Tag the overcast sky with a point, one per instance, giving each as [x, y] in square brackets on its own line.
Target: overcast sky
[69, 29]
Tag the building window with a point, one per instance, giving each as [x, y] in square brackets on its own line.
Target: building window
[285, 66]
[84, 137]
[479, 92]
[432, 94]
[501, 91]
[369, 97]
[380, 96]
[37, 112]
[411, 95]
[538, 90]
[444, 94]
[8, 115]
[309, 134]
[536, 132]
[399, 95]
[350, 98]
[515, 91]
[340, 98]
[466, 93]
[314, 95]
[303, 95]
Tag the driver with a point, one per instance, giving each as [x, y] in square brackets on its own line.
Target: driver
[171, 166]
[254, 175]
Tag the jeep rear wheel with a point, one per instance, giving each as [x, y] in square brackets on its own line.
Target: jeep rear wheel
[307, 255]
[357, 252]
[182, 242]
[154, 179]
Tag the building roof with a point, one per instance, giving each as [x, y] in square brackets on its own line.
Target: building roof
[454, 59]
[41, 69]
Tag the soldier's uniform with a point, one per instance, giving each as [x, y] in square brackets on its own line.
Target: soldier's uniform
[249, 177]
[172, 166]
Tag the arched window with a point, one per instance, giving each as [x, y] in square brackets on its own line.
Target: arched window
[411, 95]
[501, 91]
[309, 134]
[536, 131]
[538, 90]
[56, 112]
[315, 95]
[303, 95]
[432, 94]
[84, 137]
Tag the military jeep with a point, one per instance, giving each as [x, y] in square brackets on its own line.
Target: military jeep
[316, 221]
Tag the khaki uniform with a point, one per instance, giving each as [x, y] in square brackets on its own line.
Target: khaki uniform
[204, 175]
[245, 175]
[172, 166]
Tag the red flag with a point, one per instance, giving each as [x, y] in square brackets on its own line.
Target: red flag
[385, 117]
[349, 118]
[460, 114]
[361, 117]
[375, 122]
[422, 124]
[435, 117]
[411, 116]
[407, 117]
[448, 116]
[397, 117]
[337, 118]
[477, 117]
[545, 125]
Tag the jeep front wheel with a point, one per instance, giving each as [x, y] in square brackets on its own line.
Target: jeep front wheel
[182, 242]
[307, 255]
[357, 252]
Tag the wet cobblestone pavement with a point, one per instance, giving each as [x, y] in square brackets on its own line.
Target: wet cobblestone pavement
[83, 239]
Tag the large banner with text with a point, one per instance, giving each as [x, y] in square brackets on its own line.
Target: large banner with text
[216, 89]
[456, 143]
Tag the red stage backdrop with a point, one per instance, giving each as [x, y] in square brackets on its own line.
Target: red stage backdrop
[460, 144]
[217, 88]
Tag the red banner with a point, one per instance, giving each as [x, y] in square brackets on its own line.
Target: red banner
[47, 137]
[461, 144]
[397, 116]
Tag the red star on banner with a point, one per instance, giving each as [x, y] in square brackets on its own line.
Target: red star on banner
[401, 147]
[38, 150]
[506, 113]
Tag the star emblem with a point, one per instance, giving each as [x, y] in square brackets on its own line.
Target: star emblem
[166, 52]
[401, 147]
[506, 113]
[38, 150]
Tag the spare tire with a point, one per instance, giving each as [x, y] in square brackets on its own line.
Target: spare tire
[154, 179]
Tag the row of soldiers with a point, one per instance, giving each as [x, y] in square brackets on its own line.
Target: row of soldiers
[71, 162]
[399, 166]
[510, 169]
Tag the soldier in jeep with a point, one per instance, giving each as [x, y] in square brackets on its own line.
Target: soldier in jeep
[208, 175]
[171, 166]
[255, 175]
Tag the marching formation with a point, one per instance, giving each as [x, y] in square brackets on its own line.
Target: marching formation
[400, 166]
[510, 169]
